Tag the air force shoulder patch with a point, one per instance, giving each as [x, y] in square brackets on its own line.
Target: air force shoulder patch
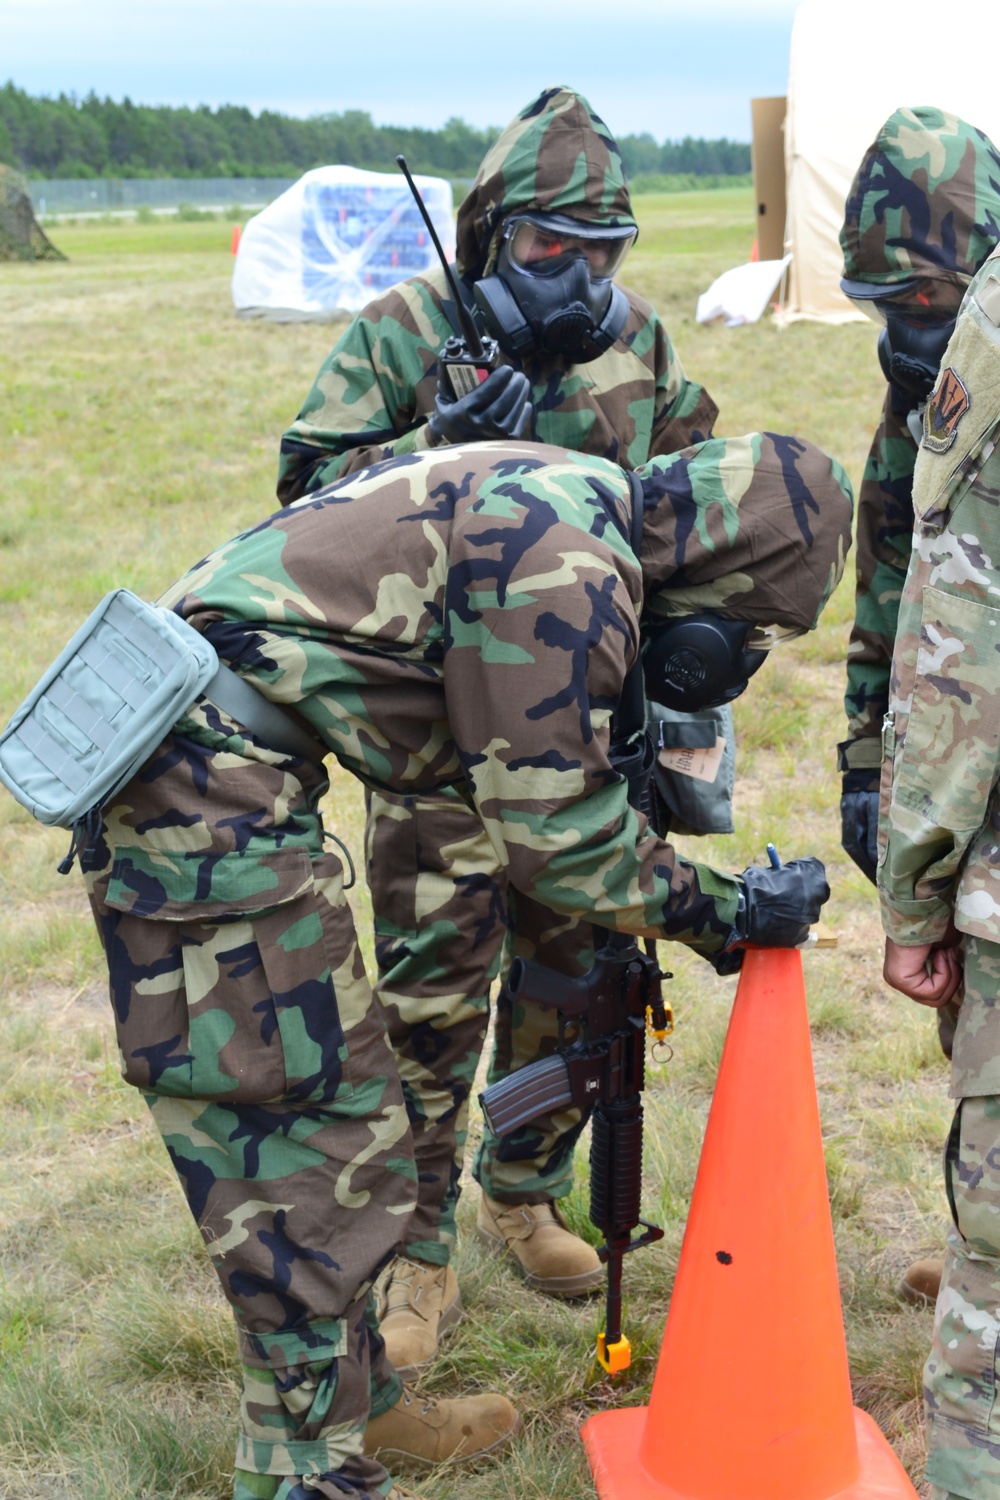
[943, 412]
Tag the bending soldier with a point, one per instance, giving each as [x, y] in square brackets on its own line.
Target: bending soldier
[587, 365]
[463, 619]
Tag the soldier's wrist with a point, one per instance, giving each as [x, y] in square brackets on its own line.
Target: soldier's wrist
[859, 781]
[863, 753]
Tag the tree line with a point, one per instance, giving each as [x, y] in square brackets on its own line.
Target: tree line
[92, 137]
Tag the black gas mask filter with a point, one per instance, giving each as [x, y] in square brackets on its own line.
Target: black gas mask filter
[552, 293]
[699, 661]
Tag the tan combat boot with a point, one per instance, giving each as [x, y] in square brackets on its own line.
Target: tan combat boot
[921, 1282]
[420, 1431]
[416, 1303]
[553, 1259]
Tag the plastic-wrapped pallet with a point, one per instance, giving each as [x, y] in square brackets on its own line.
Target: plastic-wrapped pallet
[334, 241]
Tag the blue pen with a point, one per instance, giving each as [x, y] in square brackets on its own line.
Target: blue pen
[772, 855]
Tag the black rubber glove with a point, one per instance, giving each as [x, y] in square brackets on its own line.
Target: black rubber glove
[859, 830]
[781, 904]
[499, 408]
[777, 908]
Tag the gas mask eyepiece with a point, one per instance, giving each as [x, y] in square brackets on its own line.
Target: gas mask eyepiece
[552, 292]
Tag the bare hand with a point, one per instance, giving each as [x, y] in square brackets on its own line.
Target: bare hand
[929, 973]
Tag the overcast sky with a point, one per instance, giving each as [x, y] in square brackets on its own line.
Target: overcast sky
[663, 66]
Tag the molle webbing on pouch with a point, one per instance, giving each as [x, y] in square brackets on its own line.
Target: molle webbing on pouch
[111, 696]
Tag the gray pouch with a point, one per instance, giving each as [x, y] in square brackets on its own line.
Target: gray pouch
[102, 707]
[694, 805]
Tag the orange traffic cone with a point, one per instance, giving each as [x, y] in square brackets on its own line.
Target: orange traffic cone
[234, 242]
[752, 1397]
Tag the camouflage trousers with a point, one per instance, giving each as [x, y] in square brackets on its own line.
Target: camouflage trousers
[962, 1371]
[441, 902]
[960, 1377]
[261, 1052]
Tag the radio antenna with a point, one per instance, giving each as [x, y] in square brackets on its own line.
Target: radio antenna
[469, 330]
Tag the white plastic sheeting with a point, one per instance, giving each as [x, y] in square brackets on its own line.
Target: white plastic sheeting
[741, 295]
[851, 66]
[335, 240]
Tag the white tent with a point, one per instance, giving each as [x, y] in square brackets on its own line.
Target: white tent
[336, 239]
[851, 65]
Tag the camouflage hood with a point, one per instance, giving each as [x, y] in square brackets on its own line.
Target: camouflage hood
[756, 528]
[925, 201]
[557, 156]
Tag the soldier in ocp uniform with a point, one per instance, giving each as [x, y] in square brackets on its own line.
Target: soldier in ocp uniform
[939, 851]
[586, 364]
[467, 619]
[922, 215]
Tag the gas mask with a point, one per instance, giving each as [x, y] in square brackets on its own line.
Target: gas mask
[703, 661]
[914, 334]
[552, 292]
[911, 347]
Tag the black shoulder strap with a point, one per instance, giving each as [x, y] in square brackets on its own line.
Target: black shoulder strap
[630, 715]
[631, 749]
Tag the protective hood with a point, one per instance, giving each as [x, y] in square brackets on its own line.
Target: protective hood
[753, 528]
[925, 201]
[557, 156]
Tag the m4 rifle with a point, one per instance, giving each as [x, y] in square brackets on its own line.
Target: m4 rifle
[604, 1016]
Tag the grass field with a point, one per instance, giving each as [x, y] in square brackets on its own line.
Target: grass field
[139, 424]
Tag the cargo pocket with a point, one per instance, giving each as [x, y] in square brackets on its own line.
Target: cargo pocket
[230, 997]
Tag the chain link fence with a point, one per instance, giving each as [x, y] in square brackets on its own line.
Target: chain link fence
[112, 195]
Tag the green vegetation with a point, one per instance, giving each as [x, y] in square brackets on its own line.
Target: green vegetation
[91, 137]
[139, 424]
[685, 182]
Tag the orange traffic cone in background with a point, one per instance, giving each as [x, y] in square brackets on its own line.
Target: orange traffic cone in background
[234, 243]
[752, 1396]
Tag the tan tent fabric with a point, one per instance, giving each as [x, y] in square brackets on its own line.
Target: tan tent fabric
[851, 65]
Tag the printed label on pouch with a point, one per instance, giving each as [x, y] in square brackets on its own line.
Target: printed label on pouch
[702, 763]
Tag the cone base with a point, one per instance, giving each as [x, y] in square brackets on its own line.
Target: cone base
[612, 1440]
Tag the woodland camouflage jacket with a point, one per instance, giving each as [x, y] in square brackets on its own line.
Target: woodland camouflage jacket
[925, 203]
[466, 617]
[376, 388]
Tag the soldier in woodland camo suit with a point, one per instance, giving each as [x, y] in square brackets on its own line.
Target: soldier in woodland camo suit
[467, 619]
[939, 854]
[922, 215]
[439, 895]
